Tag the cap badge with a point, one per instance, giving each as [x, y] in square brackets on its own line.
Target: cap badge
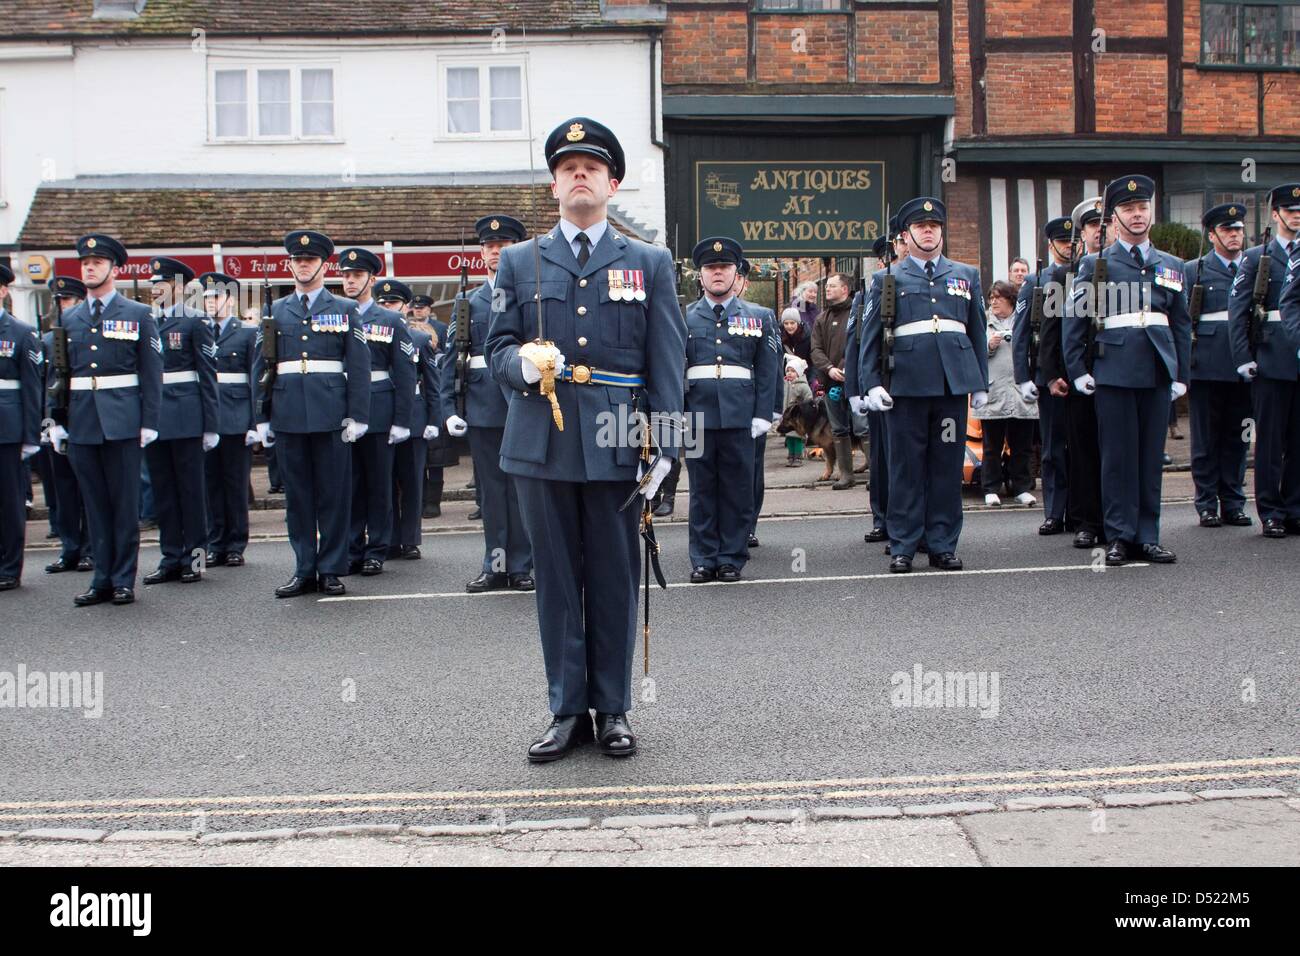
[156, 265]
[927, 206]
[90, 243]
[1132, 185]
[717, 247]
[61, 283]
[352, 255]
[1296, 192]
[1067, 225]
[494, 224]
[303, 240]
[575, 133]
[1232, 210]
[388, 287]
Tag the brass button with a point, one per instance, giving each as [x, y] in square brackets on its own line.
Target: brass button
[94, 330]
[94, 365]
[935, 316]
[304, 321]
[582, 283]
[582, 310]
[304, 338]
[934, 300]
[719, 358]
[304, 354]
[719, 341]
[582, 340]
[94, 348]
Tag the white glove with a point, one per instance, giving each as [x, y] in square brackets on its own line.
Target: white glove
[1029, 391]
[250, 438]
[776, 417]
[1086, 384]
[662, 467]
[457, 426]
[29, 450]
[858, 404]
[353, 430]
[979, 399]
[147, 437]
[1248, 371]
[210, 440]
[397, 434]
[430, 432]
[1177, 389]
[759, 426]
[59, 439]
[265, 435]
[879, 400]
[532, 374]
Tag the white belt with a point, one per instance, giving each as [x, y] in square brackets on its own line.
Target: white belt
[1274, 315]
[174, 378]
[1215, 316]
[931, 325]
[10, 384]
[718, 371]
[379, 375]
[1133, 320]
[91, 383]
[478, 361]
[232, 378]
[306, 366]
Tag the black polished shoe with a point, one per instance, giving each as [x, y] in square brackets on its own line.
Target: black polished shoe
[93, 596]
[234, 560]
[295, 587]
[922, 548]
[86, 564]
[702, 575]
[564, 734]
[1158, 555]
[59, 566]
[1085, 539]
[408, 552]
[330, 585]
[1051, 526]
[946, 561]
[435, 511]
[614, 737]
[753, 541]
[728, 573]
[190, 577]
[354, 567]
[1238, 519]
[900, 564]
[217, 559]
[1274, 528]
[370, 567]
[8, 584]
[475, 515]
[1292, 525]
[874, 535]
[522, 582]
[488, 581]
[665, 507]
[123, 596]
[1116, 554]
[1210, 519]
[162, 576]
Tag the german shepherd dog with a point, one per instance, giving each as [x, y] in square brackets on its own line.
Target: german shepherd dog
[810, 422]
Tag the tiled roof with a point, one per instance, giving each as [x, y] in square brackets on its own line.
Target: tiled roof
[424, 215]
[25, 18]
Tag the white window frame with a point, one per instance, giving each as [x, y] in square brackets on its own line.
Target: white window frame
[250, 70]
[485, 98]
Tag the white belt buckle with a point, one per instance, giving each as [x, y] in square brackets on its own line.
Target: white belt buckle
[717, 370]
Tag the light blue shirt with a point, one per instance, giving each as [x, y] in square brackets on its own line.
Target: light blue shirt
[363, 307]
[920, 263]
[594, 232]
[1227, 262]
[725, 303]
[106, 300]
[1145, 247]
[224, 324]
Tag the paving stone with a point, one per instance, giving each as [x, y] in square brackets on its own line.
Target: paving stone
[1146, 799]
[247, 836]
[63, 833]
[152, 836]
[649, 820]
[856, 813]
[1060, 802]
[947, 809]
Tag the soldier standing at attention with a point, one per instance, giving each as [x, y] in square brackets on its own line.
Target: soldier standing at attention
[778, 394]
[319, 405]
[609, 304]
[731, 373]
[115, 391]
[22, 397]
[507, 555]
[940, 357]
[1266, 356]
[187, 426]
[392, 394]
[1219, 399]
[239, 375]
[1140, 364]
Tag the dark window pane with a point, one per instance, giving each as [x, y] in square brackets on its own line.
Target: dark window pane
[1219, 33]
[1290, 33]
[1259, 35]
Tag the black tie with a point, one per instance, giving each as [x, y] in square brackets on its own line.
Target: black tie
[718, 310]
[1232, 269]
[98, 311]
[929, 270]
[1293, 251]
[306, 305]
[1137, 256]
[584, 248]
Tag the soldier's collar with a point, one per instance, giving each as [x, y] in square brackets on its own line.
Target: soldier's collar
[726, 305]
[594, 232]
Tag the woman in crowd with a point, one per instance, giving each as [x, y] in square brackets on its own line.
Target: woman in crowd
[1007, 418]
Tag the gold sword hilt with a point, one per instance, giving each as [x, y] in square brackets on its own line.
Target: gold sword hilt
[541, 353]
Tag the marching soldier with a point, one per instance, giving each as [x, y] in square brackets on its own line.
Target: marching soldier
[187, 426]
[319, 404]
[1046, 383]
[228, 466]
[731, 363]
[940, 357]
[760, 443]
[507, 555]
[110, 414]
[21, 401]
[73, 527]
[410, 455]
[392, 393]
[1139, 364]
[608, 305]
[1219, 398]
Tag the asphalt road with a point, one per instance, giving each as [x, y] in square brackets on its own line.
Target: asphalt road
[227, 709]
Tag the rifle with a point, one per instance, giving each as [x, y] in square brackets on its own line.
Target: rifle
[1196, 298]
[60, 381]
[1099, 274]
[888, 312]
[1258, 315]
[464, 341]
[270, 353]
[1036, 320]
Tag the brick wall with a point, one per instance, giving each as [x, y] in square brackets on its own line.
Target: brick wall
[1131, 93]
[1133, 18]
[1207, 103]
[1025, 18]
[705, 46]
[1030, 93]
[962, 199]
[821, 57]
[897, 46]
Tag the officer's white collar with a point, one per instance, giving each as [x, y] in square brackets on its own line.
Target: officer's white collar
[726, 303]
[92, 299]
[594, 232]
[1128, 247]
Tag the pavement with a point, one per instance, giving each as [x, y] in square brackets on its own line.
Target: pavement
[845, 703]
